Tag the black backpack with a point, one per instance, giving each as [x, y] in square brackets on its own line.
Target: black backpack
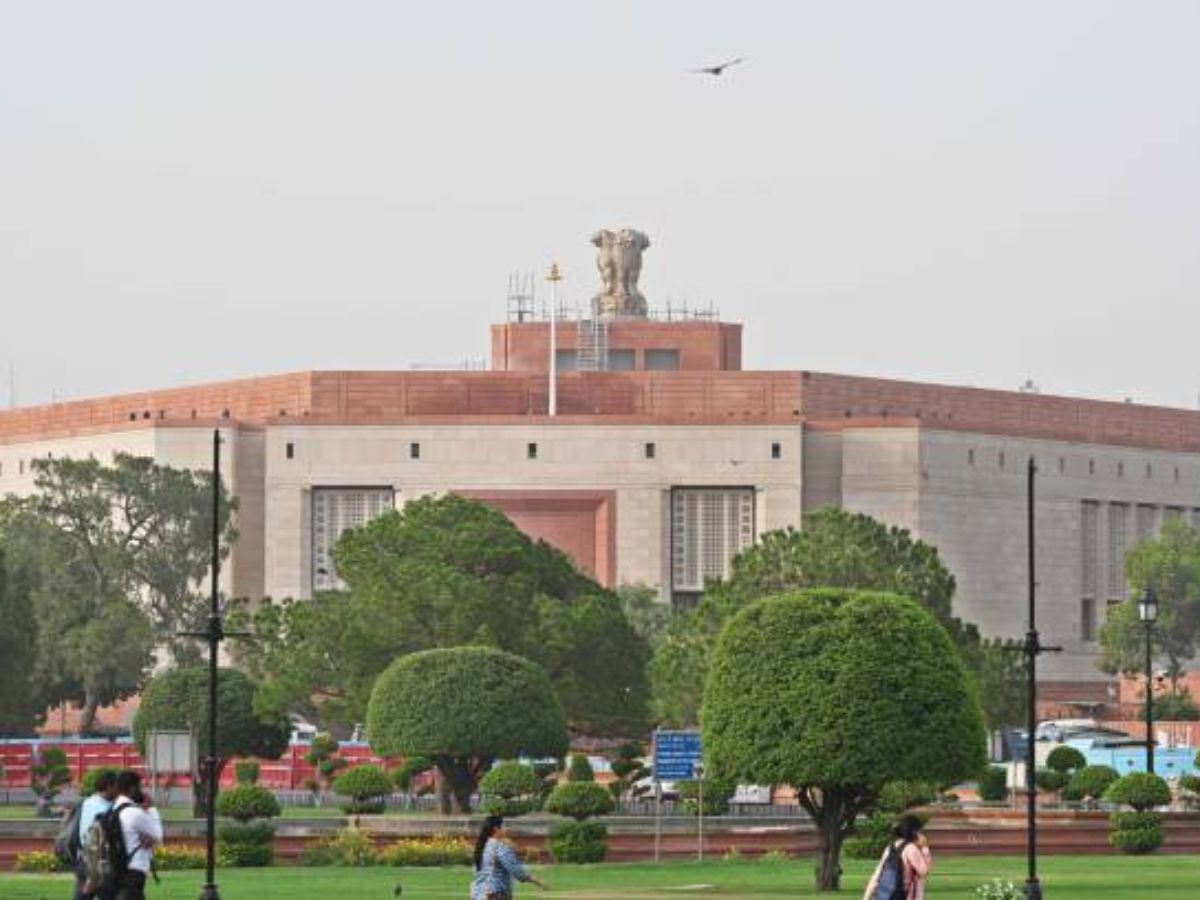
[66, 843]
[891, 877]
[107, 851]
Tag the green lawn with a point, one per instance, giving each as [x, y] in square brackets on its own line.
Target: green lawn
[1064, 878]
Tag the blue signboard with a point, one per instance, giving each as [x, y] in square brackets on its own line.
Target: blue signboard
[676, 755]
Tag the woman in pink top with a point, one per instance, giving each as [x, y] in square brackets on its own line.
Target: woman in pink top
[914, 852]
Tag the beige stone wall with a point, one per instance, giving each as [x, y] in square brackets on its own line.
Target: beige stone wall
[966, 494]
[570, 457]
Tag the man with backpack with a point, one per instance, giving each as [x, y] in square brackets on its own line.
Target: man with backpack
[91, 809]
[122, 852]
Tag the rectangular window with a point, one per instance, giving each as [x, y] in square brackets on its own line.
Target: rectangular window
[1089, 529]
[290, 450]
[334, 512]
[1172, 514]
[776, 450]
[1087, 620]
[531, 450]
[568, 360]
[414, 450]
[661, 360]
[1146, 519]
[650, 450]
[621, 360]
[1117, 514]
[970, 457]
[709, 527]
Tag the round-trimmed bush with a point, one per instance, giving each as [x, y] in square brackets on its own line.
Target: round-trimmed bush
[244, 802]
[578, 842]
[510, 789]
[1065, 759]
[246, 771]
[580, 800]
[246, 843]
[716, 795]
[1090, 783]
[1137, 840]
[993, 784]
[1141, 790]
[1051, 780]
[365, 787]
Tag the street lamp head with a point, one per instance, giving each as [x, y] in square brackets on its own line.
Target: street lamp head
[1148, 606]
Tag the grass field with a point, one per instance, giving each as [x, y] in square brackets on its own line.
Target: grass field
[1064, 878]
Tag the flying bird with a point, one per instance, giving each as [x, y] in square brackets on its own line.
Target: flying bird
[718, 69]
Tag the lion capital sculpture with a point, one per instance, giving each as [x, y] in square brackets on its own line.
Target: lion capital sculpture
[619, 259]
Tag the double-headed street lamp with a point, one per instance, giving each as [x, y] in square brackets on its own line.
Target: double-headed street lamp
[1148, 614]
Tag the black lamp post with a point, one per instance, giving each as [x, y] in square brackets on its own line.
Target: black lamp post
[1148, 614]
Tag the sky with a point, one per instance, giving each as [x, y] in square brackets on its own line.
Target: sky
[958, 192]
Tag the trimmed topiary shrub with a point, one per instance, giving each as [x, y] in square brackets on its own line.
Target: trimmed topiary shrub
[246, 771]
[580, 769]
[244, 802]
[249, 839]
[410, 769]
[578, 842]
[511, 789]
[245, 844]
[1049, 780]
[993, 784]
[365, 787]
[580, 800]
[1090, 783]
[1065, 759]
[872, 834]
[1141, 790]
[1139, 831]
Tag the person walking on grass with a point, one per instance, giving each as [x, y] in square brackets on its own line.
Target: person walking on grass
[496, 864]
[905, 864]
[93, 808]
[141, 831]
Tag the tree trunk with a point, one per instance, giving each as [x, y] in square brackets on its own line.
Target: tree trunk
[87, 718]
[829, 866]
[456, 784]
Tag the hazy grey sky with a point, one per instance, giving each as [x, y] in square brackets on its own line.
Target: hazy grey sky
[960, 191]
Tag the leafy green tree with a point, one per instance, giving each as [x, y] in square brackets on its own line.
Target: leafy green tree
[838, 692]
[177, 700]
[836, 548]
[628, 766]
[1089, 783]
[21, 702]
[113, 556]
[1170, 564]
[410, 769]
[645, 610]
[445, 572]
[464, 707]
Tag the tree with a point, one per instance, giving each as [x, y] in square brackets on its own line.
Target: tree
[836, 548]
[48, 775]
[178, 700]
[1170, 564]
[446, 572]
[464, 707]
[366, 787]
[836, 693]
[112, 550]
[21, 703]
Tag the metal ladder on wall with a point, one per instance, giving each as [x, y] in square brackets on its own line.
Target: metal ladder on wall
[591, 345]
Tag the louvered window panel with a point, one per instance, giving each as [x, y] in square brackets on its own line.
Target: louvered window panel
[709, 527]
[334, 512]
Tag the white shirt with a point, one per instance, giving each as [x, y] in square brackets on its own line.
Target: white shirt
[138, 823]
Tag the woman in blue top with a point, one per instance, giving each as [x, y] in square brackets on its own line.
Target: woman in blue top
[496, 864]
